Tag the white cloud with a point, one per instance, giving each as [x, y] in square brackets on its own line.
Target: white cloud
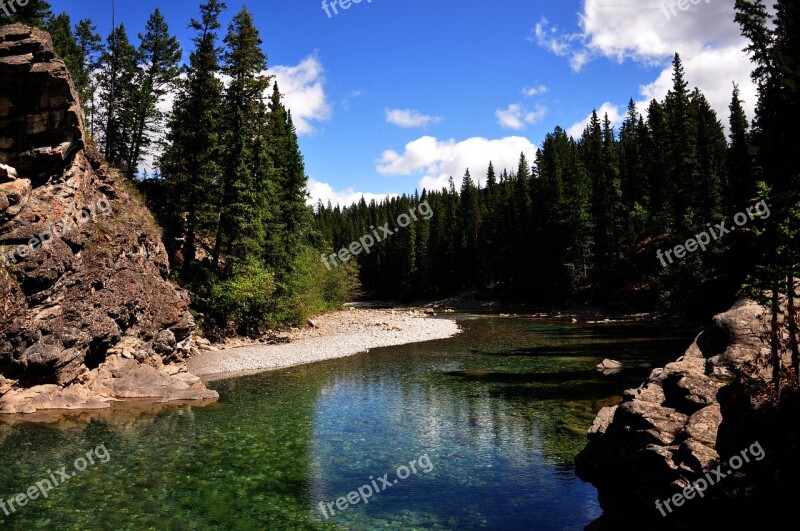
[639, 29]
[517, 117]
[304, 93]
[548, 37]
[325, 192]
[352, 96]
[409, 118]
[149, 161]
[615, 115]
[435, 161]
[534, 91]
[649, 32]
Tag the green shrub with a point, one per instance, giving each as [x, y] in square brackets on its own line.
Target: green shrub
[313, 289]
[246, 298]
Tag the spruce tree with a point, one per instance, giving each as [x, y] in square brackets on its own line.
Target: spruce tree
[712, 153]
[288, 179]
[67, 49]
[634, 178]
[158, 57]
[682, 168]
[191, 161]
[469, 230]
[241, 233]
[741, 189]
[90, 44]
[117, 95]
[35, 13]
[774, 49]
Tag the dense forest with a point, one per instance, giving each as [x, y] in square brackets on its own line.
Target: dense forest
[585, 222]
[590, 218]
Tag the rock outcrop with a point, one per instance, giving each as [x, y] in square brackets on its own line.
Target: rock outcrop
[86, 312]
[684, 421]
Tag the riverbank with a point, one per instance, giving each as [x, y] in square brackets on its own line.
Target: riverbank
[330, 336]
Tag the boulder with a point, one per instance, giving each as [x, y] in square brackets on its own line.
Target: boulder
[685, 419]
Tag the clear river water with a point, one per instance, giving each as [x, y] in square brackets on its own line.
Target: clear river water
[492, 419]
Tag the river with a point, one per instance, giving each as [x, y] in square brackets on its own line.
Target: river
[492, 419]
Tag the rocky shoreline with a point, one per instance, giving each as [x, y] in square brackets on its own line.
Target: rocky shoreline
[329, 336]
[683, 422]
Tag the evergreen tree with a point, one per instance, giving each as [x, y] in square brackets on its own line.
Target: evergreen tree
[158, 57]
[191, 161]
[288, 179]
[774, 49]
[656, 156]
[712, 153]
[634, 179]
[117, 95]
[35, 13]
[469, 230]
[241, 233]
[90, 44]
[67, 48]
[741, 189]
[682, 168]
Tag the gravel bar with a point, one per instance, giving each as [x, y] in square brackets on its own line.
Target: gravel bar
[330, 336]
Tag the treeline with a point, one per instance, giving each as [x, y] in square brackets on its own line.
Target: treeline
[584, 220]
[230, 190]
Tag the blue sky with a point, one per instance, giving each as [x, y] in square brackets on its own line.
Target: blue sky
[392, 95]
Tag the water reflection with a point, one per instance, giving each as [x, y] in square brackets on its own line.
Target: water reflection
[500, 410]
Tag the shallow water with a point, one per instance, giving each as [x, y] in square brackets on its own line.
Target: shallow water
[500, 411]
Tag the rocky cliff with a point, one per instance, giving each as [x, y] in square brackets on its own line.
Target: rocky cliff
[87, 315]
[689, 418]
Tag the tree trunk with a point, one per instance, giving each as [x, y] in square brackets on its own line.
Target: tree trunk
[190, 240]
[792, 320]
[774, 343]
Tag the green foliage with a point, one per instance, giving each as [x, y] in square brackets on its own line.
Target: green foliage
[118, 96]
[90, 44]
[246, 297]
[774, 36]
[191, 161]
[232, 191]
[315, 289]
[157, 71]
[35, 13]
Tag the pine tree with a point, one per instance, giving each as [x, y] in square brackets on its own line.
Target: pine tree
[289, 180]
[634, 178]
[711, 158]
[682, 169]
[191, 161]
[741, 189]
[241, 233]
[117, 93]
[67, 49]
[774, 49]
[90, 44]
[656, 155]
[158, 57]
[35, 13]
[469, 230]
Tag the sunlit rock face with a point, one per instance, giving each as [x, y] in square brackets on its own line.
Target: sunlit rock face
[84, 295]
